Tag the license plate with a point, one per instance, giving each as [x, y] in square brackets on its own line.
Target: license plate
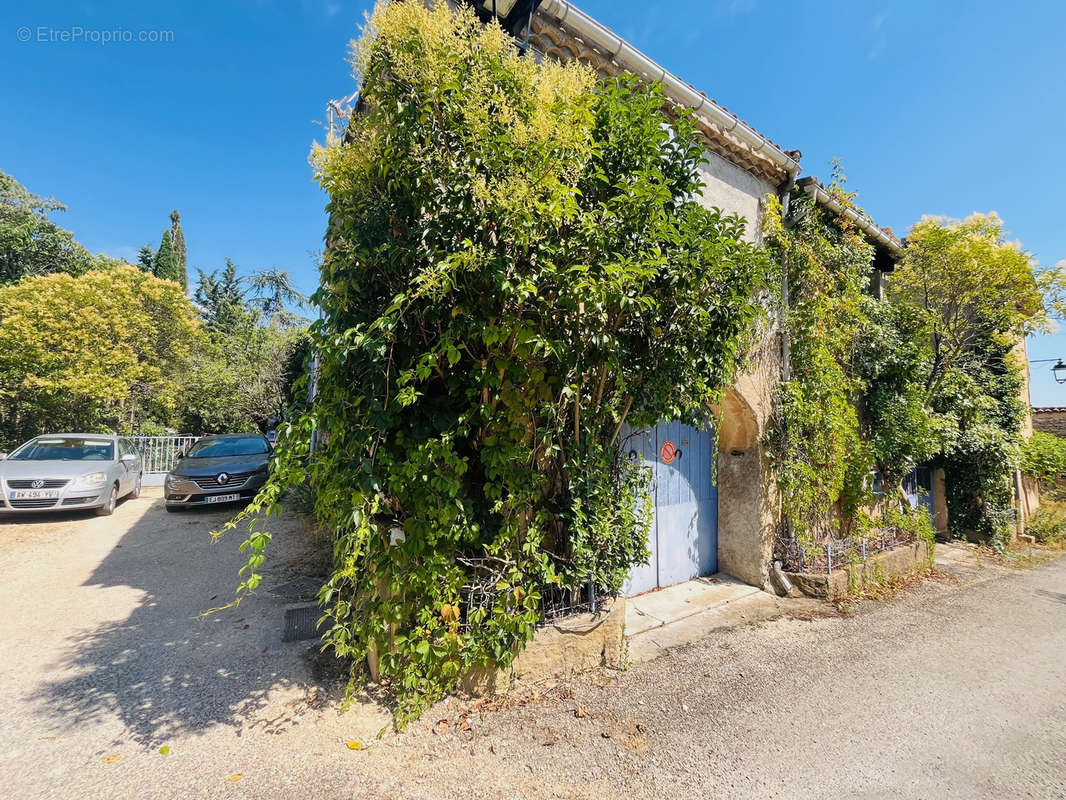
[35, 494]
[221, 498]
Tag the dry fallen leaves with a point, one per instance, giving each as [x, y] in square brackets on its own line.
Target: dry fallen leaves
[236, 776]
[354, 744]
[111, 759]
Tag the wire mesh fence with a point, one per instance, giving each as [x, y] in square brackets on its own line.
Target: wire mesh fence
[160, 453]
[839, 553]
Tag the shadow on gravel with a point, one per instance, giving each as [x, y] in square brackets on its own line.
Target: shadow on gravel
[164, 670]
[49, 519]
[1058, 597]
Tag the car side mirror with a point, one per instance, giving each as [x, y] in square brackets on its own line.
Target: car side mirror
[3, 456]
[180, 455]
[130, 457]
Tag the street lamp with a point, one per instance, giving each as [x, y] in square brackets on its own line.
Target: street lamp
[1059, 371]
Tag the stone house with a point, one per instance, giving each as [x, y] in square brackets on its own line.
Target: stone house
[703, 525]
[716, 505]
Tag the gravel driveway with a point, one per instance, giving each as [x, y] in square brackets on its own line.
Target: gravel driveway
[952, 690]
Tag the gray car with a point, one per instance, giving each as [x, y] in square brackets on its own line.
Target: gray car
[228, 468]
[68, 471]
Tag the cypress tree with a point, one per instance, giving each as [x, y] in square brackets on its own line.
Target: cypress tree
[177, 238]
[164, 265]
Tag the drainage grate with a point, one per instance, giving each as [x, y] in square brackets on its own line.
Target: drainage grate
[301, 622]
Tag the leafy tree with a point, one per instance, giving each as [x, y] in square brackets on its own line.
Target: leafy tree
[165, 265]
[75, 352]
[963, 282]
[1044, 457]
[242, 382]
[30, 243]
[145, 258]
[222, 303]
[966, 297]
[272, 292]
[245, 372]
[181, 259]
[518, 266]
[899, 421]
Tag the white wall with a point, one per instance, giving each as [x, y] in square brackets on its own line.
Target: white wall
[735, 191]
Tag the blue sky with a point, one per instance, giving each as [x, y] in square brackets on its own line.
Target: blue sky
[935, 108]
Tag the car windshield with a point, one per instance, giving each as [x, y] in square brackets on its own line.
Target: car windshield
[214, 448]
[66, 449]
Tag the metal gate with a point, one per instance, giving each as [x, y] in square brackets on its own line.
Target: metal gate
[159, 454]
[683, 539]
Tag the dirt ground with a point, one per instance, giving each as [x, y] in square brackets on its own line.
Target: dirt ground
[115, 686]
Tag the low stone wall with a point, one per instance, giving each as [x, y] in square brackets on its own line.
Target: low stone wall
[566, 647]
[904, 560]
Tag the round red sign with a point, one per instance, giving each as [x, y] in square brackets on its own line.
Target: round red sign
[667, 452]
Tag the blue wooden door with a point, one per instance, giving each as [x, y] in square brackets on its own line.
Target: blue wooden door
[683, 534]
[918, 488]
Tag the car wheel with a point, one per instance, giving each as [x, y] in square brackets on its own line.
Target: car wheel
[136, 492]
[108, 508]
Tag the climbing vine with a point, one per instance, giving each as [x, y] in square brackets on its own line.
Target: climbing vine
[517, 269]
[816, 447]
[926, 375]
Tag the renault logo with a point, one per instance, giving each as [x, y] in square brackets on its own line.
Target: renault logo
[222, 478]
[37, 484]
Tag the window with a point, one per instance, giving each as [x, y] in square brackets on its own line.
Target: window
[64, 448]
[229, 446]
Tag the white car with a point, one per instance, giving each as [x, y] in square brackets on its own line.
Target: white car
[69, 471]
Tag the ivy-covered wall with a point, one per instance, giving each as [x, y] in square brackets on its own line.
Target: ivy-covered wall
[930, 374]
[519, 265]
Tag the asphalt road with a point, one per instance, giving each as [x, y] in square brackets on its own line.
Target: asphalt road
[952, 690]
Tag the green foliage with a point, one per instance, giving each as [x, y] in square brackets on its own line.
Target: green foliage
[165, 263]
[272, 293]
[242, 381]
[246, 372]
[1044, 457]
[816, 447]
[30, 243]
[220, 298]
[98, 352]
[965, 298]
[516, 267]
[1048, 524]
[181, 258]
[898, 419]
[145, 257]
[926, 376]
[963, 283]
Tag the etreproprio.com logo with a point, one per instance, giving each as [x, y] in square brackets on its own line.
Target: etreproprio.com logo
[47, 34]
